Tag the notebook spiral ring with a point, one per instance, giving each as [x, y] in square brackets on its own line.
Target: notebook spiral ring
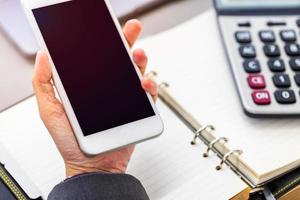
[226, 156]
[210, 146]
[163, 85]
[199, 132]
[151, 74]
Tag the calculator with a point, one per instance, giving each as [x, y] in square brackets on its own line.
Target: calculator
[261, 40]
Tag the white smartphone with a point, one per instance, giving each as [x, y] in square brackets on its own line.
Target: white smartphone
[97, 81]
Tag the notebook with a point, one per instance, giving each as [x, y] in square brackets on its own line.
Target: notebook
[162, 167]
[170, 169]
[25, 138]
[167, 166]
[14, 183]
[191, 59]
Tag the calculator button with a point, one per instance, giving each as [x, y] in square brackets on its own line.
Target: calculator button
[244, 24]
[276, 23]
[261, 97]
[267, 36]
[292, 49]
[297, 79]
[256, 81]
[285, 96]
[281, 80]
[295, 64]
[288, 35]
[276, 65]
[252, 66]
[247, 51]
[298, 22]
[243, 36]
[271, 50]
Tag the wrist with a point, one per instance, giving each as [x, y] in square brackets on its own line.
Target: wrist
[73, 170]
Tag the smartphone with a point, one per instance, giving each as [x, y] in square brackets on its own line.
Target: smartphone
[94, 74]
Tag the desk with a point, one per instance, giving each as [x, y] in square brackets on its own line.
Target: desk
[172, 14]
[168, 21]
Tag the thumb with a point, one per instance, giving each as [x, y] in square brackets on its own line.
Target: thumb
[42, 73]
[42, 85]
[51, 110]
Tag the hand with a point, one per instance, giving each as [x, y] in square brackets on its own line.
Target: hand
[57, 123]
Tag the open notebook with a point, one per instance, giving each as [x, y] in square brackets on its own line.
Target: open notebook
[170, 169]
[191, 59]
[166, 166]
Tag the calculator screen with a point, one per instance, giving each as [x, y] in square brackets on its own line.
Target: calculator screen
[258, 3]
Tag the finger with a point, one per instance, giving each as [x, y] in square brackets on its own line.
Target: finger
[140, 58]
[51, 110]
[151, 87]
[132, 30]
[42, 73]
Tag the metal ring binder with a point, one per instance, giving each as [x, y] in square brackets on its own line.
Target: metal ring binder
[198, 133]
[225, 157]
[151, 73]
[210, 146]
[164, 85]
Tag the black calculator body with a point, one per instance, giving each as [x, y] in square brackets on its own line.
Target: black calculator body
[261, 39]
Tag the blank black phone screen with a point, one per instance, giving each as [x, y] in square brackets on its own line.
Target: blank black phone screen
[93, 64]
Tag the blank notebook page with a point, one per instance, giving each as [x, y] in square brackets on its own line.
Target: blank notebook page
[170, 168]
[191, 58]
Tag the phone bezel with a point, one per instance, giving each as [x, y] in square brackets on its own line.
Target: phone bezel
[110, 139]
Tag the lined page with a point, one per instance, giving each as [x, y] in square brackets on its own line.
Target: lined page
[163, 164]
[170, 168]
[23, 134]
[191, 58]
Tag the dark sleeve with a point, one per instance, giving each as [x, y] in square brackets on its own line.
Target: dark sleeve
[98, 186]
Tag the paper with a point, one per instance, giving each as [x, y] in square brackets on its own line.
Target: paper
[191, 58]
[12, 167]
[23, 134]
[170, 168]
[164, 165]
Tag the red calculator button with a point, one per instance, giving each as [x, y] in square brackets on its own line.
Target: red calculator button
[261, 97]
[256, 81]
